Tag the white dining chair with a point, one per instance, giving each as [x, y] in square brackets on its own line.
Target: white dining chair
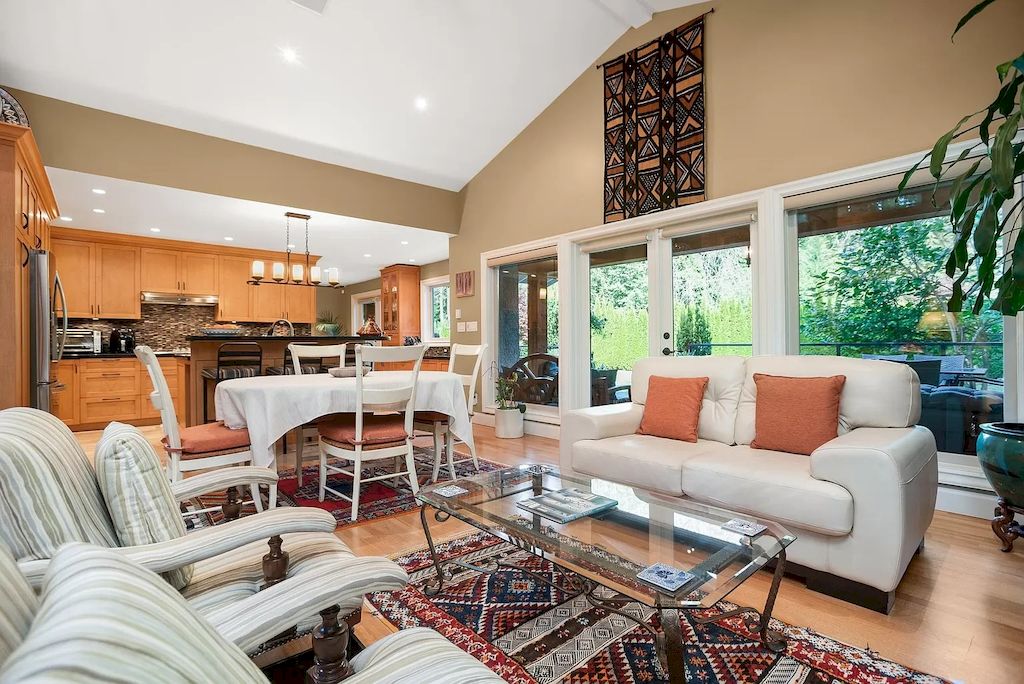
[298, 353]
[438, 425]
[199, 447]
[380, 428]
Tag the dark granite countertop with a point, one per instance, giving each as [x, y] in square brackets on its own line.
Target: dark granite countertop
[283, 338]
[116, 355]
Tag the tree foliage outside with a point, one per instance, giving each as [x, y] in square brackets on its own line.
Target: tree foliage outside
[440, 318]
[870, 289]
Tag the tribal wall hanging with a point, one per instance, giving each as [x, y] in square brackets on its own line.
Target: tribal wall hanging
[654, 125]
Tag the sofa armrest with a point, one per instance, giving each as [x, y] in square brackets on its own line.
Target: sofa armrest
[596, 422]
[892, 475]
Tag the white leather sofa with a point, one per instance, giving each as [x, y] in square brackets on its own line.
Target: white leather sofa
[859, 505]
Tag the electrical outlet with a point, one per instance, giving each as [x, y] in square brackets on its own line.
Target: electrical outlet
[460, 327]
[458, 314]
[470, 326]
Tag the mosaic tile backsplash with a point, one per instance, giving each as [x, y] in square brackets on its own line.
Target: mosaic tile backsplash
[165, 326]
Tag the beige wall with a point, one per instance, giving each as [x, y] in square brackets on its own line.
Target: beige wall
[795, 88]
[340, 304]
[93, 141]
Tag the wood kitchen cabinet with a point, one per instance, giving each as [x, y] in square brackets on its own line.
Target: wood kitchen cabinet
[100, 280]
[400, 302]
[65, 396]
[174, 271]
[300, 304]
[236, 294]
[268, 302]
[27, 205]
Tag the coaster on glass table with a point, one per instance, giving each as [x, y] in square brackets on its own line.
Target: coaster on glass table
[448, 491]
[744, 527]
[664, 576]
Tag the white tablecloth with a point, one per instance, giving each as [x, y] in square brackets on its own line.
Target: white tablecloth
[271, 405]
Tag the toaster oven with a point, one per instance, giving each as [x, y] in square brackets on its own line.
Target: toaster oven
[82, 341]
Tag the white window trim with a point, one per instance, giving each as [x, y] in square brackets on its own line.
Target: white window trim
[426, 308]
[355, 306]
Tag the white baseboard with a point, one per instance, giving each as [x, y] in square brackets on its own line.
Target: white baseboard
[966, 502]
[530, 427]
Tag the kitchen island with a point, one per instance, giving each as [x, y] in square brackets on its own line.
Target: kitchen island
[275, 354]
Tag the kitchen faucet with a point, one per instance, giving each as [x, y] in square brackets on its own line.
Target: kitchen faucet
[273, 326]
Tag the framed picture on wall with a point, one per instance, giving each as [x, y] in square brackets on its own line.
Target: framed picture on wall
[464, 283]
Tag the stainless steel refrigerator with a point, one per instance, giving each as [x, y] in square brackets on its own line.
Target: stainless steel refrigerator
[49, 325]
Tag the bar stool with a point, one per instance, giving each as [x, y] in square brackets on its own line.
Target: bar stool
[234, 360]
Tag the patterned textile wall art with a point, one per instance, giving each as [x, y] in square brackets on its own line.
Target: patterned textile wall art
[654, 125]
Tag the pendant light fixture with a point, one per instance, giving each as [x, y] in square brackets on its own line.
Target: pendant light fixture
[301, 272]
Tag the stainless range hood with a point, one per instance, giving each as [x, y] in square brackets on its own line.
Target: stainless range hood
[178, 299]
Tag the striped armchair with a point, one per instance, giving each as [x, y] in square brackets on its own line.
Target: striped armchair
[51, 496]
[100, 617]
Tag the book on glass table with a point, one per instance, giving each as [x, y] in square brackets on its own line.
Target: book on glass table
[567, 504]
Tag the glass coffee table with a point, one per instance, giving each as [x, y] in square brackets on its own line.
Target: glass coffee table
[608, 549]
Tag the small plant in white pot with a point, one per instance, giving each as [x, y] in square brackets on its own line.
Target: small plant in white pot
[508, 413]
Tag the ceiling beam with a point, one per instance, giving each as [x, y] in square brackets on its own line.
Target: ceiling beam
[632, 13]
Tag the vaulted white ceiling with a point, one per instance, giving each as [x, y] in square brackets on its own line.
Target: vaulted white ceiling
[483, 68]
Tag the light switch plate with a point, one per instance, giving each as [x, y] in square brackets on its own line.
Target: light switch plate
[458, 314]
[460, 327]
[470, 326]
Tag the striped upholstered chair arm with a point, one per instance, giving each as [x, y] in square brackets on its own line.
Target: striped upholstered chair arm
[219, 480]
[210, 541]
[414, 656]
[330, 580]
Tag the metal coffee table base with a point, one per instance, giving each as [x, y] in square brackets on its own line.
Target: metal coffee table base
[669, 641]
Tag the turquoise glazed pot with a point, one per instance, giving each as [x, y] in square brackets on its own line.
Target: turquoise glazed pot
[1001, 452]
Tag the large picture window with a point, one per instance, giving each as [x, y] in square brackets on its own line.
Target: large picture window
[872, 284]
[527, 329]
[619, 320]
[437, 301]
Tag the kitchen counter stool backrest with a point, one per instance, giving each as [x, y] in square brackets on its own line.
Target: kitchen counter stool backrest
[315, 351]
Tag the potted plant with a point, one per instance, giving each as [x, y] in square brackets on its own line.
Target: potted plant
[508, 413]
[327, 324]
[985, 211]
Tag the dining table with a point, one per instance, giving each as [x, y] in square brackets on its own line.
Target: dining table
[269, 406]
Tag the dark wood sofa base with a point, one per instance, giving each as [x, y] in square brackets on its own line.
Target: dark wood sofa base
[845, 589]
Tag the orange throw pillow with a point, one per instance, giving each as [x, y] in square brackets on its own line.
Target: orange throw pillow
[797, 415]
[673, 407]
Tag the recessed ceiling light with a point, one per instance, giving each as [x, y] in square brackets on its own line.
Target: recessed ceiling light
[367, 255]
[291, 246]
[405, 242]
[420, 103]
[289, 55]
[66, 218]
[412, 260]
[229, 238]
[154, 230]
[99, 211]
[98, 191]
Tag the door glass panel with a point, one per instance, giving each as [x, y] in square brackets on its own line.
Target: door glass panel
[873, 285]
[711, 293]
[618, 321]
[528, 329]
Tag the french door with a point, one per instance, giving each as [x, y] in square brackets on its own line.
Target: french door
[682, 292]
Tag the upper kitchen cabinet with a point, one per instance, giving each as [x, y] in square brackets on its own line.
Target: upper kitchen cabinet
[300, 304]
[75, 262]
[27, 205]
[174, 271]
[100, 280]
[236, 294]
[268, 302]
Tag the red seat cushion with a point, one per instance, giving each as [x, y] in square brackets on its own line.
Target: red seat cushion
[431, 417]
[210, 438]
[377, 430]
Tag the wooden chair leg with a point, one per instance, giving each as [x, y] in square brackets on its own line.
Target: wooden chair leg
[257, 498]
[323, 472]
[357, 473]
[410, 464]
[437, 453]
[232, 508]
[330, 650]
[450, 448]
[298, 453]
[272, 503]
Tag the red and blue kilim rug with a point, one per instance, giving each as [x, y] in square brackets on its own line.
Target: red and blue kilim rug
[527, 631]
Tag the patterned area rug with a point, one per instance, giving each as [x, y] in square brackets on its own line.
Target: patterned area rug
[527, 631]
[376, 499]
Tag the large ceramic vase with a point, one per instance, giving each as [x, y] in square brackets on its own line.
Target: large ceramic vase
[1001, 452]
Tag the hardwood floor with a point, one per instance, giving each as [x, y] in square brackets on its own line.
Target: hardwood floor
[959, 610]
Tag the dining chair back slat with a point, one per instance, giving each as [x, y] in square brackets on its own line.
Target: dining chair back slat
[161, 395]
[394, 397]
[320, 352]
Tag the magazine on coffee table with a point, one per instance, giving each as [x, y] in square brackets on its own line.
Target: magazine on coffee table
[567, 505]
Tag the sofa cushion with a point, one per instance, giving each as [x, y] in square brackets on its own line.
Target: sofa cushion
[725, 381]
[797, 415]
[770, 484]
[876, 393]
[673, 407]
[653, 463]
